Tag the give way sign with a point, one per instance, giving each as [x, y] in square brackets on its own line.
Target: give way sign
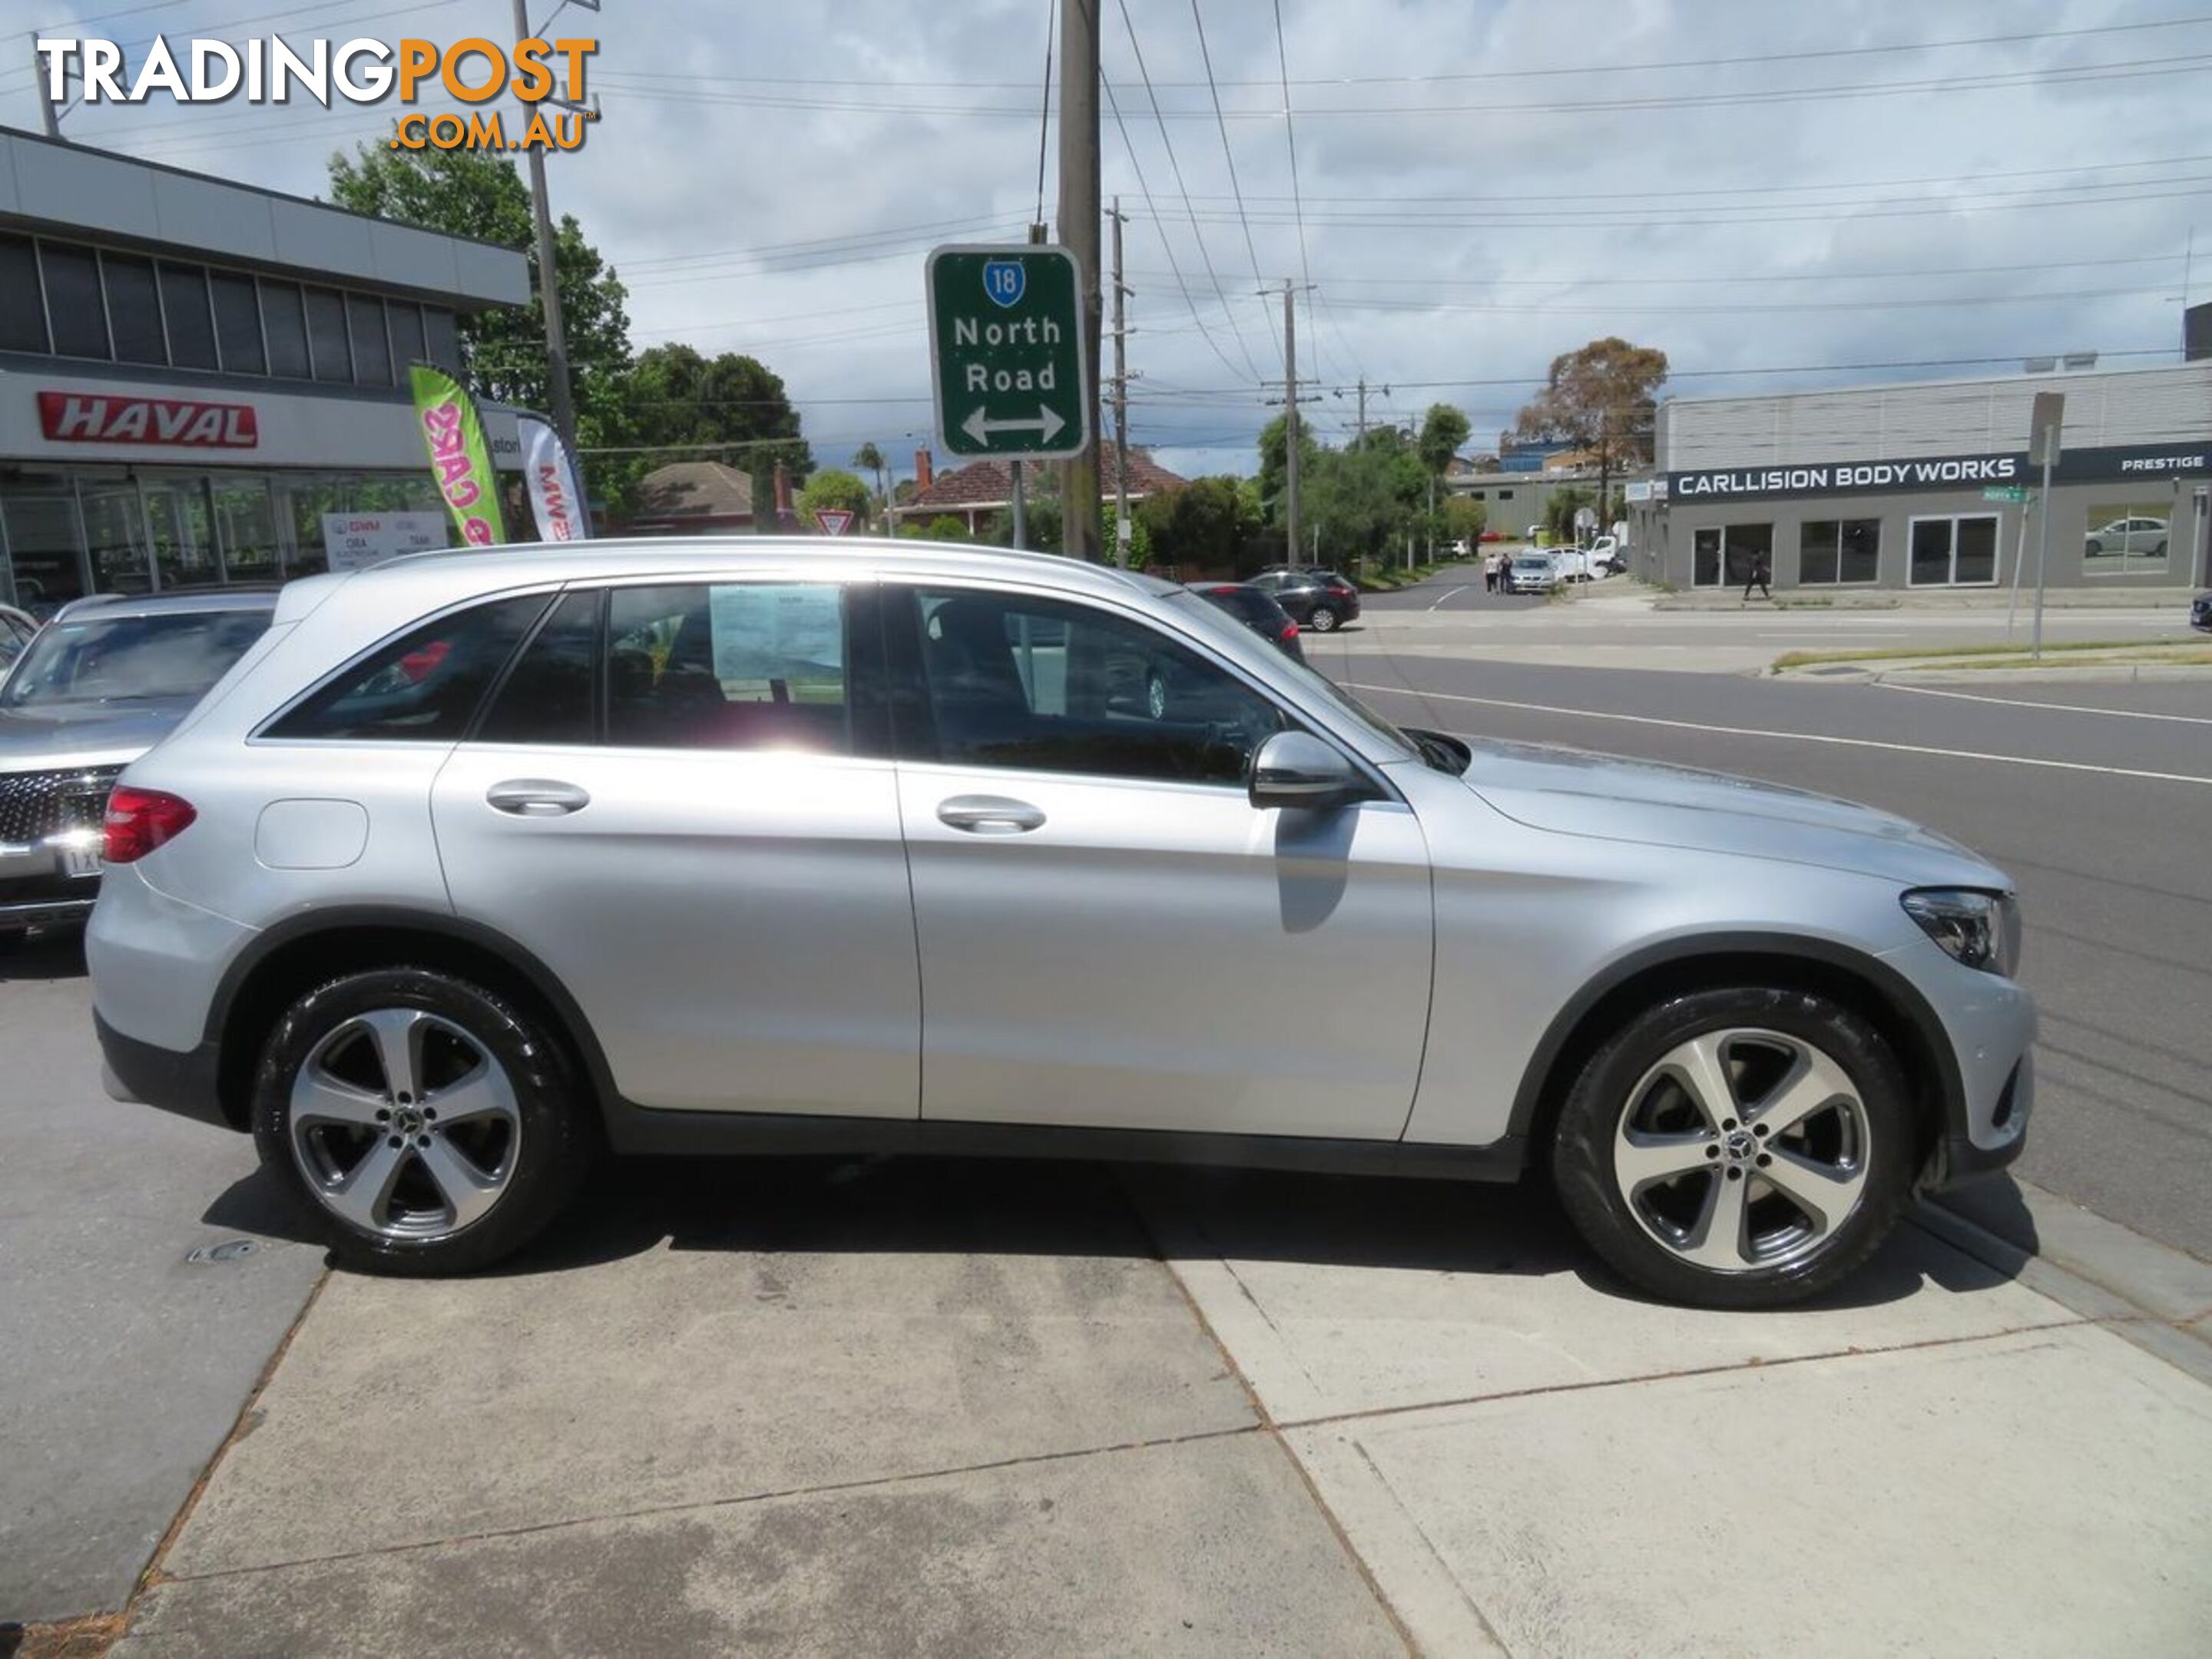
[834, 520]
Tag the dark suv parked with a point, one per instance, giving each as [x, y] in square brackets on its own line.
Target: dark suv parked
[1319, 599]
[1257, 611]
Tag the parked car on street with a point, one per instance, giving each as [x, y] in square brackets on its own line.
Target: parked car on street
[1257, 611]
[1531, 573]
[2200, 613]
[1607, 557]
[16, 628]
[1319, 599]
[668, 847]
[98, 686]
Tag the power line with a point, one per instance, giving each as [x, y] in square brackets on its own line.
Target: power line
[1229, 155]
[1175, 166]
[1702, 279]
[1290, 143]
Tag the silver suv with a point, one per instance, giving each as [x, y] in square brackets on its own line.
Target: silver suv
[482, 864]
[96, 688]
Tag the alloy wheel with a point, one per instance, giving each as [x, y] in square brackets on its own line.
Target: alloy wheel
[1323, 621]
[405, 1125]
[1743, 1150]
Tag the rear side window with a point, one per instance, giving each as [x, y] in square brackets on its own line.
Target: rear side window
[1243, 604]
[548, 698]
[728, 666]
[423, 688]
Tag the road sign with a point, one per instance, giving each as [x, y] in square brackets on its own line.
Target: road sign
[2045, 418]
[2016, 494]
[1005, 328]
[834, 520]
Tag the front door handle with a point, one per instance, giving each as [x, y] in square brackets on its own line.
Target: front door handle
[990, 814]
[537, 797]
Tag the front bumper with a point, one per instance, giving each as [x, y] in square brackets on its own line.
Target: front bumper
[147, 1075]
[36, 887]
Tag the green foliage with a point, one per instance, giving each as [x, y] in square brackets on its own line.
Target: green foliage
[1204, 524]
[1274, 460]
[1559, 512]
[1600, 397]
[1443, 429]
[832, 487]
[679, 398]
[1462, 519]
[942, 528]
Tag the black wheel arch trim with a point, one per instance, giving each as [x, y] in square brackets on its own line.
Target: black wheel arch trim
[1897, 992]
[365, 918]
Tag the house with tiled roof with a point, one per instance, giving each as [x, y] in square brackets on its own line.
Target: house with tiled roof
[972, 493]
[703, 498]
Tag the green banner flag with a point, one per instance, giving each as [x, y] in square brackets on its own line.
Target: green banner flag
[458, 455]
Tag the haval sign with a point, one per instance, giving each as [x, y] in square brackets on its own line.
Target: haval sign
[95, 417]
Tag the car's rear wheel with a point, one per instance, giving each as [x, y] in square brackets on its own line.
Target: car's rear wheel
[1323, 620]
[1738, 1148]
[428, 1123]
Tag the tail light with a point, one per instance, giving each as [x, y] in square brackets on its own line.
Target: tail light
[1290, 631]
[139, 820]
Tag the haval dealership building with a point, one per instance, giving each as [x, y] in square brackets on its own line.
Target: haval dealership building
[1918, 485]
[196, 377]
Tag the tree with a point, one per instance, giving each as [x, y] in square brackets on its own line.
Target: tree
[869, 459]
[690, 404]
[1204, 524]
[1559, 512]
[1443, 429]
[477, 193]
[1463, 519]
[1273, 464]
[1599, 397]
[833, 489]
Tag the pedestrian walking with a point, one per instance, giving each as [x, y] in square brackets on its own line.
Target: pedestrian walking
[1762, 569]
[1490, 573]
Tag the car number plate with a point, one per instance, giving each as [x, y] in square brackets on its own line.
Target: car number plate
[80, 860]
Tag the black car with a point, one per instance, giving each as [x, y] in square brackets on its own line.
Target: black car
[1257, 611]
[1319, 599]
[2200, 614]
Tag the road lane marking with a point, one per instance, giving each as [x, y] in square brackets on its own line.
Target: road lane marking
[1795, 737]
[1440, 601]
[2058, 707]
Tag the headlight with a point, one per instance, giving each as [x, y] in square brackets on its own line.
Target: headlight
[1980, 929]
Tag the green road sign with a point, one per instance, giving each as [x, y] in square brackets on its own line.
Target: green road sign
[2012, 493]
[1005, 329]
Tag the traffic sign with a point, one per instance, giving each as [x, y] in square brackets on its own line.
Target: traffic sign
[1005, 328]
[833, 521]
[2015, 493]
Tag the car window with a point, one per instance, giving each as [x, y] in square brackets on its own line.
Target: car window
[728, 666]
[95, 658]
[547, 697]
[1242, 602]
[422, 688]
[1039, 685]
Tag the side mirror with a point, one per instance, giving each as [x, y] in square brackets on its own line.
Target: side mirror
[1296, 768]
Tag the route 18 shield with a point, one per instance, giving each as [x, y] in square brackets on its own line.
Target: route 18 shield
[1004, 280]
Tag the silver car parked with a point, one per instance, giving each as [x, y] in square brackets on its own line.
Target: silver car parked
[484, 863]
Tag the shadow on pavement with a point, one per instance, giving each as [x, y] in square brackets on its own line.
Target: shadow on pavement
[1995, 1206]
[985, 1206]
[44, 955]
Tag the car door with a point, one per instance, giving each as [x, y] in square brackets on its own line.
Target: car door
[681, 802]
[1111, 935]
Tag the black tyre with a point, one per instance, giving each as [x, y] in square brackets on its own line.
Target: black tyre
[1323, 620]
[428, 1125]
[1738, 1148]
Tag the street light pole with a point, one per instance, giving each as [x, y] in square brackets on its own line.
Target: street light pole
[548, 278]
[1079, 234]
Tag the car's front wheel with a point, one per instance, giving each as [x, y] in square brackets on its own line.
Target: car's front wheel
[428, 1123]
[1737, 1148]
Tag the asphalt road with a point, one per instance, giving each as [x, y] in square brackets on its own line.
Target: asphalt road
[2097, 799]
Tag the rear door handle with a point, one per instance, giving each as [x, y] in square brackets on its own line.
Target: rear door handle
[990, 814]
[537, 797]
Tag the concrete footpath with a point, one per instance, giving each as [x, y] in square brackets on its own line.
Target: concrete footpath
[923, 1407]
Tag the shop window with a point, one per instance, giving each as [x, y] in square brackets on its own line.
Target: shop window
[134, 309]
[185, 309]
[1724, 555]
[1838, 550]
[1954, 552]
[22, 308]
[326, 336]
[371, 353]
[284, 325]
[40, 517]
[74, 308]
[115, 537]
[246, 525]
[237, 323]
[405, 324]
[2122, 539]
[442, 340]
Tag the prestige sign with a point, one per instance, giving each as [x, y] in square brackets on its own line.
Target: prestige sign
[92, 417]
[1934, 472]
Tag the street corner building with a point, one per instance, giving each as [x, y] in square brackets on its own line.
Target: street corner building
[1929, 486]
[202, 382]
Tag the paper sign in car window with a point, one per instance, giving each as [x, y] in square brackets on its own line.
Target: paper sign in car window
[792, 631]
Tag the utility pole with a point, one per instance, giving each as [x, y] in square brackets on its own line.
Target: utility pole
[47, 112]
[548, 278]
[1122, 533]
[1079, 234]
[1290, 418]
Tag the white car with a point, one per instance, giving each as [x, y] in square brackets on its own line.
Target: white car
[2144, 535]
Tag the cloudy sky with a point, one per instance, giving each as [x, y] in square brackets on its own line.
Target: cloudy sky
[1763, 190]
